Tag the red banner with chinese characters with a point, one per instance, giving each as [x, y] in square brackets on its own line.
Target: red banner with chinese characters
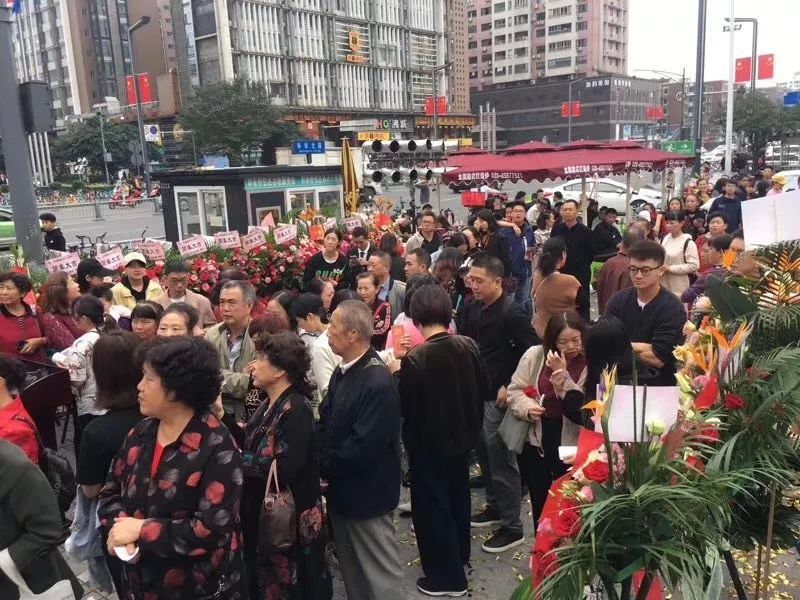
[441, 105]
[766, 66]
[130, 88]
[574, 108]
[743, 66]
[145, 88]
[654, 113]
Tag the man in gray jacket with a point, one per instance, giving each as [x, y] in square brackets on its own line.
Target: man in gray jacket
[233, 343]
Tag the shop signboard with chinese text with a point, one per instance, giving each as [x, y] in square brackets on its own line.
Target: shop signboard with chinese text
[273, 182]
[308, 147]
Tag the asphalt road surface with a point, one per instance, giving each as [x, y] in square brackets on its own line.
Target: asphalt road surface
[120, 224]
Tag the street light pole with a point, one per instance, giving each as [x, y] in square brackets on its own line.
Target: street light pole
[729, 111]
[702, 10]
[753, 50]
[144, 20]
[569, 106]
[103, 143]
[435, 117]
[682, 76]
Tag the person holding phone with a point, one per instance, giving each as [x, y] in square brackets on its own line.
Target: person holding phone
[358, 255]
[536, 394]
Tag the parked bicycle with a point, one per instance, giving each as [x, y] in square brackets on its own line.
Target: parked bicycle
[87, 248]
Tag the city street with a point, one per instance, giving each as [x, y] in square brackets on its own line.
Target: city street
[125, 223]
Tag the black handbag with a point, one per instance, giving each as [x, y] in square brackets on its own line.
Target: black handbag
[57, 468]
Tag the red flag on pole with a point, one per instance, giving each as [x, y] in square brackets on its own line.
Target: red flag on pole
[130, 89]
[565, 109]
[743, 66]
[441, 105]
[766, 66]
[145, 88]
[576, 109]
[429, 106]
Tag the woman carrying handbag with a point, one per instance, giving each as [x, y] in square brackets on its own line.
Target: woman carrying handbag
[536, 399]
[281, 508]
[31, 566]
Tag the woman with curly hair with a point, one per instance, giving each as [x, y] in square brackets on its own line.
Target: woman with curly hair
[172, 494]
[280, 436]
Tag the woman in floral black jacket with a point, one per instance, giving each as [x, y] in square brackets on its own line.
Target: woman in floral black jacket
[282, 431]
[173, 492]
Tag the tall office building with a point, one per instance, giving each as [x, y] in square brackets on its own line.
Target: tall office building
[330, 61]
[513, 41]
[79, 47]
[458, 75]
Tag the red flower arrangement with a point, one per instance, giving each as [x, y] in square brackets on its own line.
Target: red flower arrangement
[734, 402]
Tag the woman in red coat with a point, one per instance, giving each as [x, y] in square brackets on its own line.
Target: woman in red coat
[16, 425]
[21, 334]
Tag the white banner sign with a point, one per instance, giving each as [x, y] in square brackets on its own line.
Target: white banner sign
[66, 262]
[112, 259]
[152, 250]
[228, 240]
[192, 246]
[352, 223]
[254, 239]
[285, 233]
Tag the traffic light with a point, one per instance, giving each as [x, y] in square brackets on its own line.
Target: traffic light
[399, 161]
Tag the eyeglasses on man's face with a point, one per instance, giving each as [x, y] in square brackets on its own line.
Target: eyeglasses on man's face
[645, 271]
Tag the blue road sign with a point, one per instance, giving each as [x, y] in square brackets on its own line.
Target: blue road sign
[791, 99]
[308, 147]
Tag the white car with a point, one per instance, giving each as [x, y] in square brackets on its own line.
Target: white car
[607, 192]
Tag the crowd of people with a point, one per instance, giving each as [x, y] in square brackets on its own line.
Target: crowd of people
[224, 443]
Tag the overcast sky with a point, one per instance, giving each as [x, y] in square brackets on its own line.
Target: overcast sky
[663, 35]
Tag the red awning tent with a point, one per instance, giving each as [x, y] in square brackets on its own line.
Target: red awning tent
[529, 147]
[467, 156]
[579, 159]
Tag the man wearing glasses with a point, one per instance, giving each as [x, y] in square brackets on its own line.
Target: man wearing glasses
[652, 316]
[177, 284]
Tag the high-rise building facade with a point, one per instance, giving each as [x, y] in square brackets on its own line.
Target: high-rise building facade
[511, 41]
[79, 47]
[333, 60]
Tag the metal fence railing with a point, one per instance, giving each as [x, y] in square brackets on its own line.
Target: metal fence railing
[107, 209]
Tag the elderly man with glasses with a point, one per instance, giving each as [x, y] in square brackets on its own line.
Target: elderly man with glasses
[176, 277]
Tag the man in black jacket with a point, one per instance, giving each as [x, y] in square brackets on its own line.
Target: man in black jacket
[360, 457]
[444, 385]
[580, 252]
[53, 238]
[652, 316]
[607, 237]
[503, 331]
[359, 253]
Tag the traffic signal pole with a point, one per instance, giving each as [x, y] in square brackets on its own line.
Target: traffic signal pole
[18, 166]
